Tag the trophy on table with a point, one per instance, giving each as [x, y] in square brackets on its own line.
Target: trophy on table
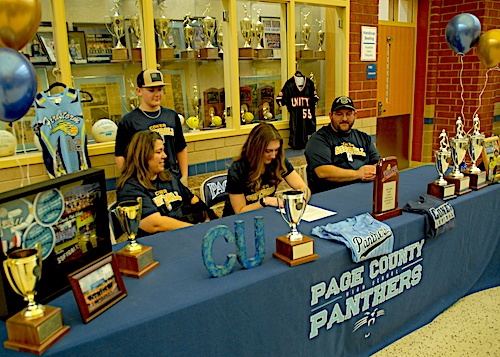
[441, 188]
[458, 147]
[189, 52]
[209, 51]
[475, 149]
[136, 29]
[135, 260]
[247, 33]
[306, 35]
[258, 34]
[320, 53]
[294, 248]
[36, 328]
[117, 30]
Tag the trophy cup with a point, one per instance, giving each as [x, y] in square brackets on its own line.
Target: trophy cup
[189, 52]
[193, 122]
[247, 33]
[320, 53]
[117, 30]
[136, 29]
[294, 248]
[135, 260]
[385, 189]
[220, 40]
[475, 149]
[209, 51]
[440, 188]
[164, 52]
[458, 147]
[36, 328]
[258, 32]
[306, 35]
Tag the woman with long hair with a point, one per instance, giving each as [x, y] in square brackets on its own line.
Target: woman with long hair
[166, 203]
[255, 175]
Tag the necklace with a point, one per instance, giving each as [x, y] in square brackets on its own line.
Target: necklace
[151, 116]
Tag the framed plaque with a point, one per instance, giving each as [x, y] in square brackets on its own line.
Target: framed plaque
[97, 287]
[213, 103]
[385, 189]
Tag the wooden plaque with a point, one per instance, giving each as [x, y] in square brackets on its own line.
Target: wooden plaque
[295, 253]
[136, 54]
[136, 264]
[385, 189]
[213, 98]
[265, 95]
[246, 52]
[38, 335]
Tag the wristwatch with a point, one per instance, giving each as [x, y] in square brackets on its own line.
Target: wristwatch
[262, 202]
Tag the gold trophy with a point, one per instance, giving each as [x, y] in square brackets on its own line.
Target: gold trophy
[247, 33]
[36, 328]
[189, 52]
[294, 248]
[220, 40]
[440, 188]
[209, 51]
[135, 260]
[117, 30]
[320, 53]
[164, 52]
[306, 35]
[135, 25]
[258, 33]
[475, 149]
[458, 146]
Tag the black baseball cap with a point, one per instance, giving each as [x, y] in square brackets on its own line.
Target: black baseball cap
[150, 78]
[341, 103]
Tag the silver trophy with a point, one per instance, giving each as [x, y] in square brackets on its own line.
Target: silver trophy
[294, 205]
[258, 31]
[188, 32]
[129, 215]
[476, 141]
[321, 35]
[246, 28]
[441, 158]
[208, 27]
[458, 146]
[306, 32]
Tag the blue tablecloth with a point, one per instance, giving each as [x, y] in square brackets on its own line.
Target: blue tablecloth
[327, 307]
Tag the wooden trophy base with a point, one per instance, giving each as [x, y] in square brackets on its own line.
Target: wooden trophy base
[295, 253]
[193, 54]
[462, 185]
[306, 54]
[264, 52]
[319, 54]
[246, 52]
[382, 216]
[165, 54]
[119, 54]
[210, 53]
[136, 264]
[444, 193]
[477, 181]
[38, 335]
[136, 54]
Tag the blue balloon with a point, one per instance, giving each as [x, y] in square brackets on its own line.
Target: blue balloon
[463, 32]
[18, 85]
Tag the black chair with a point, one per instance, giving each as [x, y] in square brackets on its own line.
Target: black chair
[213, 190]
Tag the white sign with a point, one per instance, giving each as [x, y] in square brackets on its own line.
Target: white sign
[368, 43]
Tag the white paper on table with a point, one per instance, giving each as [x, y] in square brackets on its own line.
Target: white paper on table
[313, 213]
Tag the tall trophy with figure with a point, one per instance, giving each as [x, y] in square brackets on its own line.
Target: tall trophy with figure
[165, 52]
[294, 248]
[247, 33]
[220, 40]
[458, 148]
[193, 122]
[189, 52]
[135, 260]
[116, 28]
[320, 53]
[441, 188]
[258, 34]
[135, 27]
[475, 149]
[209, 51]
[36, 328]
[306, 52]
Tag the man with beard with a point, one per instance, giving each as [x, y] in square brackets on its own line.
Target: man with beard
[338, 155]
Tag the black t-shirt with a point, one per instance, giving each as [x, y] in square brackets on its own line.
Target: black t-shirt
[237, 178]
[348, 151]
[168, 125]
[168, 198]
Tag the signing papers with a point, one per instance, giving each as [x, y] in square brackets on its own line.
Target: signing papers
[313, 213]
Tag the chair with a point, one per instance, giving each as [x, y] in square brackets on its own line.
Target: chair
[115, 229]
[213, 190]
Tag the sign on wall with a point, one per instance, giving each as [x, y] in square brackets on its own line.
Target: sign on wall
[368, 43]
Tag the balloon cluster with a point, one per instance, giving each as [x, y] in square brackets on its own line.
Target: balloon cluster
[19, 21]
[464, 31]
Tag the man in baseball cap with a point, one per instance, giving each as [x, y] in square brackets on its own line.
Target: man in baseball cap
[338, 155]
